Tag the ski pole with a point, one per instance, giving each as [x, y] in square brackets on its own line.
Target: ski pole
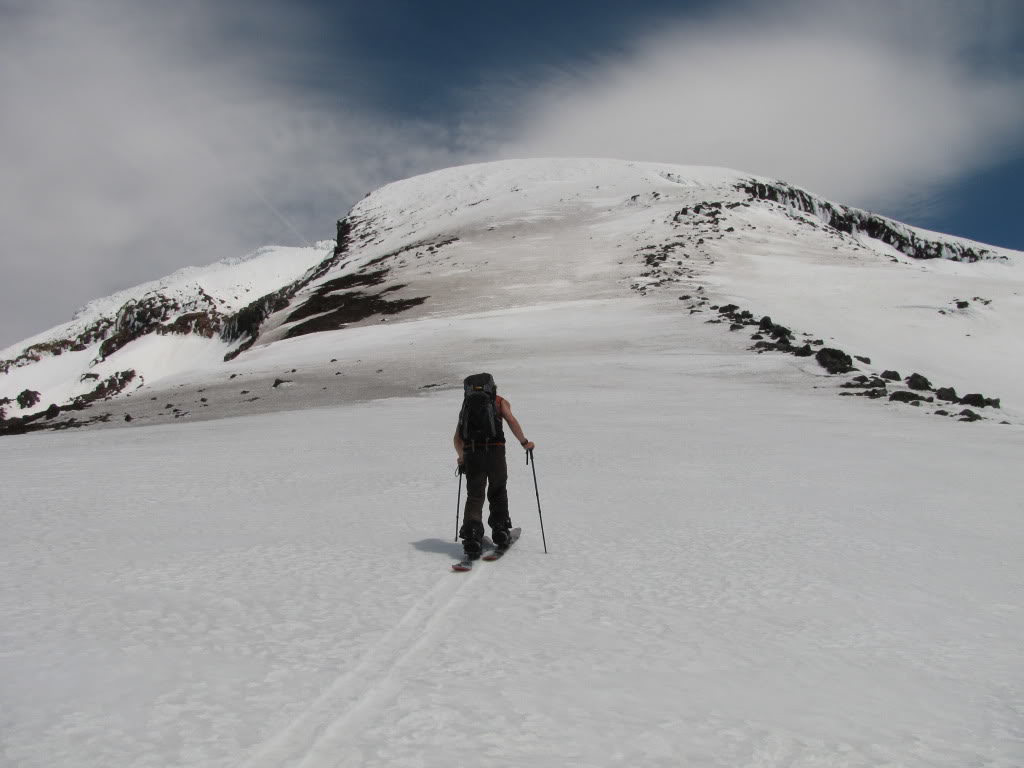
[530, 460]
[458, 506]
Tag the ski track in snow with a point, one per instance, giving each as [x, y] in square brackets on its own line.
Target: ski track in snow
[317, 735]
[745, 569]
[742, 573]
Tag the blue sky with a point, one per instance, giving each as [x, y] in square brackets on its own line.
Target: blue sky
[140, 136]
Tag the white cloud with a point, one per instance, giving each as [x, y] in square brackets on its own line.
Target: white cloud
[872, 104]
[141, 137]
[138, 137]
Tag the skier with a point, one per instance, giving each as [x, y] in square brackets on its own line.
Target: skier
[480, 447]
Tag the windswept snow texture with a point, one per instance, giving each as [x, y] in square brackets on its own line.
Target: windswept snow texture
[744, 568]
[66, 361]
[740, 573]
[529, 232]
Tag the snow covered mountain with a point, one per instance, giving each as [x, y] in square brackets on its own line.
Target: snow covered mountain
[524, 233]
[744, 568]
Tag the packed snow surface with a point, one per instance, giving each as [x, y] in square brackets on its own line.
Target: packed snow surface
[744, 568]
[740, 572]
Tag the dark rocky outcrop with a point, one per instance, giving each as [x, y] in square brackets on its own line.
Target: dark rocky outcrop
[909, 397]
[891, 376]
[853, 220]
[28, 398]
[919, 383]
[340, 310]
[33, 354]
[980, 401]
[834, 360]
[157, 313]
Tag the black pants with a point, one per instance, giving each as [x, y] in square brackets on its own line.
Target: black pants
[486, 470]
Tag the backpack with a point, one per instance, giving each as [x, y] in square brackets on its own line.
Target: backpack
[479, 414]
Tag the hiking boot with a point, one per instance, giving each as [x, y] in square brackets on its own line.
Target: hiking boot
[472, 548]
[472, 535]
[500, 538]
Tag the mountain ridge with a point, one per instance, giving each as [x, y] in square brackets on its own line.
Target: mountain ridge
[502, 234]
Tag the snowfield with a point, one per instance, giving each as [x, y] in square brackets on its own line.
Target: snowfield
[745, 569]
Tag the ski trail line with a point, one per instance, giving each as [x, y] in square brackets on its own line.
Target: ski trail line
[308, 736]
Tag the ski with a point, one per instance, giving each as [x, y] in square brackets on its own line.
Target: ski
[465, 564]
[491, 553]
[498, 552]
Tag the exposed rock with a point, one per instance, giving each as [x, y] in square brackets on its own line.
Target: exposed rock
[980, 401]
[948, 394]
[852, 220]
[834, 360]
[918, 382]
[278, 382]
[891, 376]
[864, 382]
[968, 415]
[28, 398]
[909, 397]
[865, 360]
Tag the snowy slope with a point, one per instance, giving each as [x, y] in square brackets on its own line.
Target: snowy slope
[522, 233]
[740, 572]
[67, 361]
[744, 568]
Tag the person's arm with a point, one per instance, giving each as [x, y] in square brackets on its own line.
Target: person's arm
[459, 445]
[513, 423]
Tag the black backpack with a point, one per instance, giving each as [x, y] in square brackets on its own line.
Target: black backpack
[479, 415]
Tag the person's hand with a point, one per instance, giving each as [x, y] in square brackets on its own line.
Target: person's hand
[528, 446]
[460, 468]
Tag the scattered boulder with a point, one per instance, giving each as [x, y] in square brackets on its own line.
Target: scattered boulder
[968, 415]
[28, 398]
[909, 397]
[864, 382]
[918, 382]
[804, 351]
[127, 417]
[891, 376]
[963, 304]
[948, 394]
[834, 360]
[766, 324]
[980, 401]
[53, 411]
[279, 382]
